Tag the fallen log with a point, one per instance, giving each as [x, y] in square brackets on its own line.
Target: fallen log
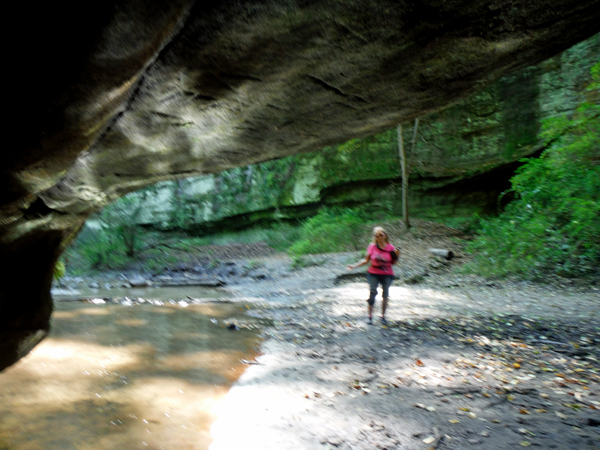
[446, 254]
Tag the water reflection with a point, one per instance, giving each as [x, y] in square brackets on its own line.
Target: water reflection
[117, 377]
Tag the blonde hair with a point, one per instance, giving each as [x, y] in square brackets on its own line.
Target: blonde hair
[377, 229]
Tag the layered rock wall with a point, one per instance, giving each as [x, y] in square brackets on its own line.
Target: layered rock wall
[463, 159]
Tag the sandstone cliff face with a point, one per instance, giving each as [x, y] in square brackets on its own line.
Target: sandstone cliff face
[463, 158]
[111, 96]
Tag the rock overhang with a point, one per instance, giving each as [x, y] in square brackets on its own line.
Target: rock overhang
[141, 91]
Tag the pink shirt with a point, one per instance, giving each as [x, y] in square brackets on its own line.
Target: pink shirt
[381, 260]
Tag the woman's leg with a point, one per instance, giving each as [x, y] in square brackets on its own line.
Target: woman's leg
[385, 285]
[373, 282]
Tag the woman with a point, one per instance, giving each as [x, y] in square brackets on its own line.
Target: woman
[381, 254]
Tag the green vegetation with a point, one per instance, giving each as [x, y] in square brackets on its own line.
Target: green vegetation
[112, 241]
[115, 237]
[468, 225]
[59, 270]
[331, 230]
[553, 225]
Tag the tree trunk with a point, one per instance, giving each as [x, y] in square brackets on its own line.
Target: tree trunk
[414, 139]
[404, 173]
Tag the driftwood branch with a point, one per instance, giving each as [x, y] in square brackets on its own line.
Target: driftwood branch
[446, 254]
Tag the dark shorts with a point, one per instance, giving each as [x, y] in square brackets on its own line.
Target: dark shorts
[374, 281]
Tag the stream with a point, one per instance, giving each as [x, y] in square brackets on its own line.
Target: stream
[127, 376]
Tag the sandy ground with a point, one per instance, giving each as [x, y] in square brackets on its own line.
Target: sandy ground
[463, 363]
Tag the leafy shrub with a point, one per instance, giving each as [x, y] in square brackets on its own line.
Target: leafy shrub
[115, 238]
[282, 235]
[553, 226]
[99, 248]
[468, 225]
[59, 270]
[331, 230]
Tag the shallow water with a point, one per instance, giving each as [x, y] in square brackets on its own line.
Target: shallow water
[124, 377]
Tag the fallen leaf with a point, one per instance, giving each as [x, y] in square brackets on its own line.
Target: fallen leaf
[454, 421]
[510, 397]
[472, 415]
[561, 415]
[430, 408]
[419, 363]
[429, 440]
[541, 410]
[524, 411]
[524, 443]
[517, 365]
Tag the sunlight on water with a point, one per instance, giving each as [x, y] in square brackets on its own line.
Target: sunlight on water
[117, 377]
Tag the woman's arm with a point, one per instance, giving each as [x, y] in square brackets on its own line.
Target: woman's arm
[397, 252]
[362, 262]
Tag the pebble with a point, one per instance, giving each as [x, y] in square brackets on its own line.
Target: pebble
[333, 440]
